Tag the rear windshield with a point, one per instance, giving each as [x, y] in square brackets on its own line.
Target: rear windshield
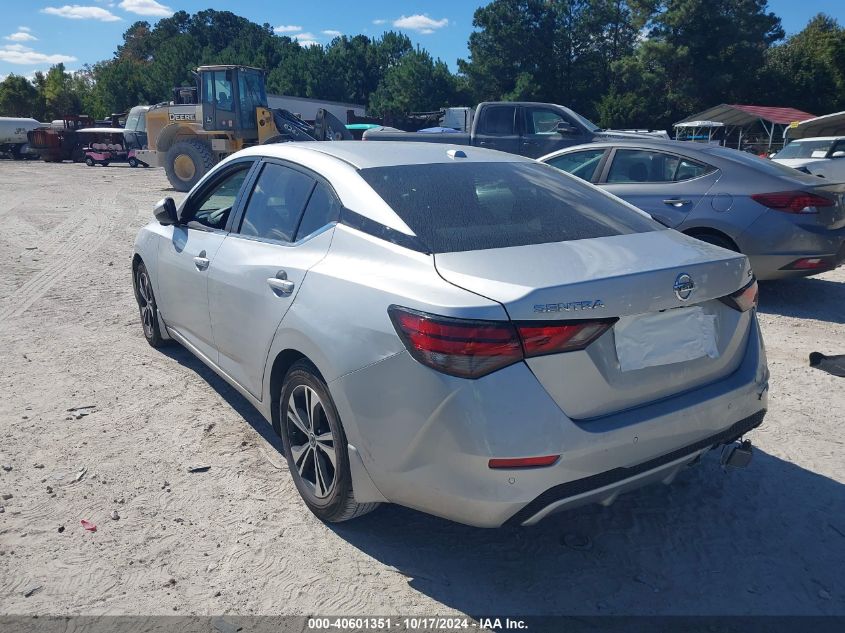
[474, 206]
[761, 164]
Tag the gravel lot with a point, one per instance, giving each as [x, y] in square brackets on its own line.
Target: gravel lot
[236, 539]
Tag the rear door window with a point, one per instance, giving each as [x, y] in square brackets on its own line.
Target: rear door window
[636, 165]
[498, 120]
[473, 206]
[323, 208]
[276, 203]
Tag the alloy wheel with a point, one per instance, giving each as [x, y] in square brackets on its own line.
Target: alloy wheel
[146, 304]
[311, 442]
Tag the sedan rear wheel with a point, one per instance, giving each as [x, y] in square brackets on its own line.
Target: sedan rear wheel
[316, 447]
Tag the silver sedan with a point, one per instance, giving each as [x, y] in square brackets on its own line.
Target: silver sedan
[788, 223]
[461, 331]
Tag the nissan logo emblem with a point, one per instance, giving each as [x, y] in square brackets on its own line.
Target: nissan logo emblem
[683, 286]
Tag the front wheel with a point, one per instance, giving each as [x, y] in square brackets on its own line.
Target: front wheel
[133, 162]
[147, 306]
[89, 161]
[315, 446]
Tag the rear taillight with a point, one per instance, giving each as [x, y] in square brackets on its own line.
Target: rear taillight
[793, 201]
[811, 263]
[539, 340]
[471, 349]
[745, 298]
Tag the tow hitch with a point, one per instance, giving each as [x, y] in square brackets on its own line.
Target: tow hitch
[737, 455]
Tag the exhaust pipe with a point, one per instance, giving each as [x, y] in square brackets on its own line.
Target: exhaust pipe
[737, 454]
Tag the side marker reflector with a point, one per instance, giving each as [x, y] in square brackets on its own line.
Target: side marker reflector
[523, 462]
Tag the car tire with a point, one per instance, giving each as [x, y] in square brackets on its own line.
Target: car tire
[187, 162]
[89, 162]
[133, 162]
[147, 307]
[311, 436]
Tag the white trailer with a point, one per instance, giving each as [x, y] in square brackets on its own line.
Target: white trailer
[13, 139]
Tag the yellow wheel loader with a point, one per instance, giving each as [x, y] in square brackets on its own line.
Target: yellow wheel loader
[230, 113]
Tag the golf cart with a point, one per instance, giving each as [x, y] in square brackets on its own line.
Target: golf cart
[103, 145]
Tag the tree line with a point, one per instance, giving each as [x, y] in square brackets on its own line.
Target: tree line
[623, 63]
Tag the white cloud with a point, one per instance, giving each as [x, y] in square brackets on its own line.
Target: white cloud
[146, 7]
[21, 36]
[287, 28]
[77, 12]
[379, 22]
[306, 39]
[24, 28]
[420, 23]
[20, 54]
[332, 33]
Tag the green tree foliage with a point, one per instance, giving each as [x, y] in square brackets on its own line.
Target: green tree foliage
[628, 63]
[808, 70]
[19, 98]
[549, 50]
[414, 82]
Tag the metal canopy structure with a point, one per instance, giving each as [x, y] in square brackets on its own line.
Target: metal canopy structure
[696, 130]
[743, 119]
[827, 125]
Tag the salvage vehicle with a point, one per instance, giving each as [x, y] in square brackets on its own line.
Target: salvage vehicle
[465, 332]
[789, 224]
[820, 156]
[188, 139]
[13, 140]
[58, 141]
[524, 128]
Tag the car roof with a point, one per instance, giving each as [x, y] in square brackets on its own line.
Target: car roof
[366, 154]
[818, 138]
[644, 141]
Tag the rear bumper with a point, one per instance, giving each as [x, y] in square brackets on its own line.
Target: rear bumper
[605, 487]
[425, 439]
[776, 240]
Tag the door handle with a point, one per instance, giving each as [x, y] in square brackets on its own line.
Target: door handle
[677, 202]
[201, 261]
[280, 284]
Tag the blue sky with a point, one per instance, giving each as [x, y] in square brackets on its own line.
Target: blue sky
[37, 33]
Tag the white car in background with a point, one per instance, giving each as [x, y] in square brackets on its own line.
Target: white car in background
[822, 156]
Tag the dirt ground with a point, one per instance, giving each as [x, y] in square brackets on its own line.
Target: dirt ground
[236, 539]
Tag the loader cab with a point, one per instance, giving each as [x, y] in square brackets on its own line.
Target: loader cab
[229, 96]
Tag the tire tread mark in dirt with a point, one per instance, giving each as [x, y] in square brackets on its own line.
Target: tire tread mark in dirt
[93, 233]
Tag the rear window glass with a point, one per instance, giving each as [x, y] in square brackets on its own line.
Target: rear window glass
[762, 164]
[475, 206]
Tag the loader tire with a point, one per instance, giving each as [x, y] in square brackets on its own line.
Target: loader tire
[187, 162]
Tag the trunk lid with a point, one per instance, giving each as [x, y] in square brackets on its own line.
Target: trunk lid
[832, 217]
[620, 276]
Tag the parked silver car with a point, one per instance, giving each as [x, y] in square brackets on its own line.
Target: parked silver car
[788, 223]
[462, 331]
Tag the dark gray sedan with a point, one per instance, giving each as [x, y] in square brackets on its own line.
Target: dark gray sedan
[789, 224]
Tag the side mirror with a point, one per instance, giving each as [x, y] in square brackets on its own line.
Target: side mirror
[565, 129]
[838, 154]
[165, 212]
